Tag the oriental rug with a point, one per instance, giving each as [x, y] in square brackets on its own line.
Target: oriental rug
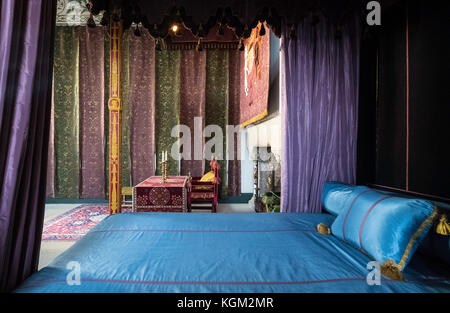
[75, 223]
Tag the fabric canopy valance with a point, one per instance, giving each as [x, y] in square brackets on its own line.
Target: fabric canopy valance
[200, 16]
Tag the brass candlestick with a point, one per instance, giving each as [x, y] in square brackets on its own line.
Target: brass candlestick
[163, 167]
[163, 172]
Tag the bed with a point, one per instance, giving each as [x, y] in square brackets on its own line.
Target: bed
[202, 252]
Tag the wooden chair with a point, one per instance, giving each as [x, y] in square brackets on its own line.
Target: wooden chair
[204, 192]
[127, 197]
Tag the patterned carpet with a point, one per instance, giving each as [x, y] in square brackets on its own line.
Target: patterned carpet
[75, 223]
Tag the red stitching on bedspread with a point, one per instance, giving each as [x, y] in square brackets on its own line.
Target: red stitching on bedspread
[335, 280]
[202, 231]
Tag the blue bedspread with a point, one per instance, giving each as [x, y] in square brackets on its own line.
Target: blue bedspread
[203, 252]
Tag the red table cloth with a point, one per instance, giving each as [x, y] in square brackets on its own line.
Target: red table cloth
[152, 195]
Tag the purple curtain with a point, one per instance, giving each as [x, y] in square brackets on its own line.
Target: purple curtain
[321, 68]
[192, 104]
[26, 62]
[142, 106]
[91, 114]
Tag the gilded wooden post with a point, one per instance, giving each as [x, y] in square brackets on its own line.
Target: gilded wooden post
[115, 118]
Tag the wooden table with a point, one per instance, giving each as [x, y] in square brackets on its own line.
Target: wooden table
[152, 195]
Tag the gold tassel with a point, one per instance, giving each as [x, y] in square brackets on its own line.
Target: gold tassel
[392, 270]
[323, 229]
[443, 227]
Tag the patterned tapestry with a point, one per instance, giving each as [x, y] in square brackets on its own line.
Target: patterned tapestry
[106, 124]
[192, 97]
[91, 113]
[216, 111]
[142, 102]
[160, 89]
[234, 165]
[167, 105]
[66, 112]
[255, 77]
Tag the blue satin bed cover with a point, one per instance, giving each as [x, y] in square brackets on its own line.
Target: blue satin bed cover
[203, 252]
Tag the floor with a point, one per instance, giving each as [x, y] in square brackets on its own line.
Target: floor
[52, 248]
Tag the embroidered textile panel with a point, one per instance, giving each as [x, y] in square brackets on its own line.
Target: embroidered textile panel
[216, 112]
[106, 123]
[181, 88]
[192, 105]
[234, 163]
[91, 113]
[167, 104]
[142, 106]
[66, 109]
[255, 77]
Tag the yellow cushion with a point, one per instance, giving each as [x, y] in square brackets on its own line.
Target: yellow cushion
[208, 177]
[127, 191]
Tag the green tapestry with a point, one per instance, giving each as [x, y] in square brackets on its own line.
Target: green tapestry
[66, 112]
[216, 107]
[167, 105]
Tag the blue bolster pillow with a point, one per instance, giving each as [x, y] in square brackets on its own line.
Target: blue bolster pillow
[384, 226]
[335, 196]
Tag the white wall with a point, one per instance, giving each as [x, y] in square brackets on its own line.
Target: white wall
[266, 134]
[246, 165]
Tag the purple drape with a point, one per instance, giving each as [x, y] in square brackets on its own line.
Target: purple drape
[320, 114]
[26, 62]
[91, 112]
[192, 105]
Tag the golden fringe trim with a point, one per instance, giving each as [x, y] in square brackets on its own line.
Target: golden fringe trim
[323, 229]
[392, 270]
[413, 239]
[256, 118]
[443, 227]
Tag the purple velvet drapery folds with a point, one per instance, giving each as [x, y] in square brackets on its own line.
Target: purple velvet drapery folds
[321, 107]
[192, 105]
[142, 106]
[26, 62]
[91, 113]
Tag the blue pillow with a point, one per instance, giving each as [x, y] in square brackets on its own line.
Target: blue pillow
[384, 226]
[335, 195]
